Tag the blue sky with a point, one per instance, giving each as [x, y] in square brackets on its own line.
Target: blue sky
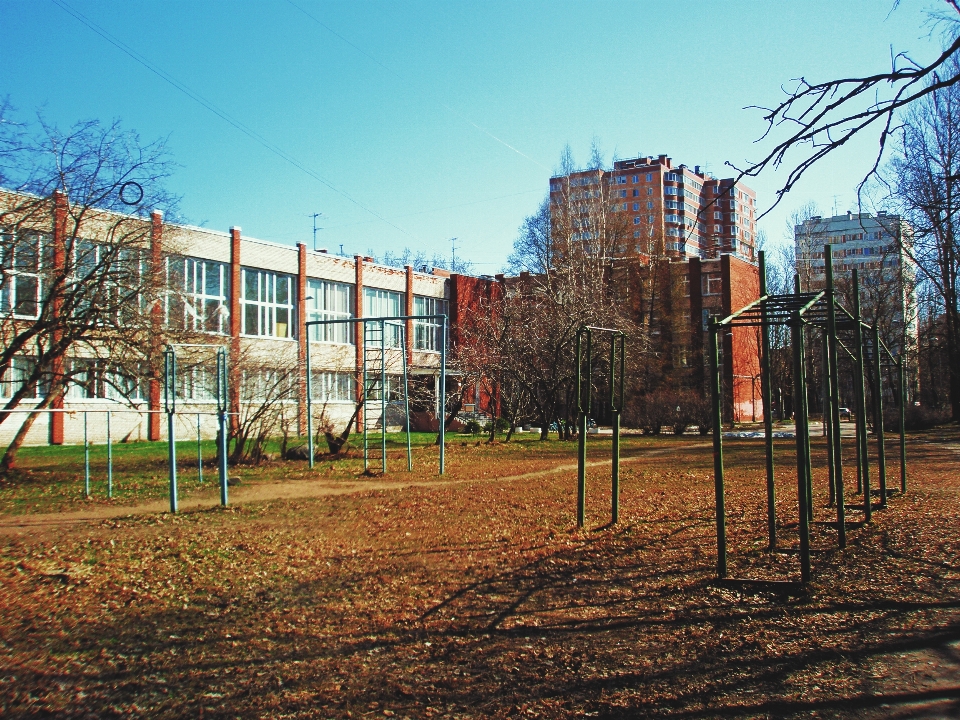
[433, 120]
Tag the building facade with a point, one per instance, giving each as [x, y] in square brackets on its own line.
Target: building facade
[676, 211]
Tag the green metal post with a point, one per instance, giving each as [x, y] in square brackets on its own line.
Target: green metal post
[310, 449]
[615, 413]
[861, 402]
[716, 399]
[834, 395]
[765, 392]
[365, 394]
[199, 454]
[170, 390]
[903, 423]
[443, 395]
[583, 408]
[109, 459]
[86, 458]
[802, 416]
[826, 417]
[796, 331]
[878, 416]
[383, 397]
[222, 405]
[406, 396]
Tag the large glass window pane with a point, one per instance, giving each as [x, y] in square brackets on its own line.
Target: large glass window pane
[26, 295]
[250, 324]
[251, 286]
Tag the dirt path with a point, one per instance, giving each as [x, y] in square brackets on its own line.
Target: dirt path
[260, 492]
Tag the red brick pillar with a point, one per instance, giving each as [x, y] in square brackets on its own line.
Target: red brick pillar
[358, 332]
[695, 284]
[302, 338]
[236, 289]
[156, 322]
[408, 310]
[57, 367]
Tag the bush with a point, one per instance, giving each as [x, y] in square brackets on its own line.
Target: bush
[471, 427]
[916, 417]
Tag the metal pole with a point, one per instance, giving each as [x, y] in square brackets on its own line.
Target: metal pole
[364, 396]
[804, 530]
[222, 420]
[615, 443]
[826, 419]
[878, 415]
[715, 396]
[443, 396]
[903, 422]
[383, 397]
[834, 395]
[109, 458]
[199, 454]
[86, 458]
[406, 395]
[861, 402]
[584, 408]
[310, 450]
[170, 389]
[765, 383]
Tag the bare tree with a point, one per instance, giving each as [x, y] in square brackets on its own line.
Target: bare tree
[817, 118]
[924, 183]
[77, 282]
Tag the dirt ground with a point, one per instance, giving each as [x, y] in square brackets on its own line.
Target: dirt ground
[475, 596]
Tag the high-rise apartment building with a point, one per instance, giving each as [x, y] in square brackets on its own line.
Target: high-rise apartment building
[875, 245]
[659, 209]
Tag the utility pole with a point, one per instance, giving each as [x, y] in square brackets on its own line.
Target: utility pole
[453, 253]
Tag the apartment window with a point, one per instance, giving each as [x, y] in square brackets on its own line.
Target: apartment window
[383, 303]
[650, 219]
[649, 191]
[712, 284]
[635, 179]
[92, 378]
[392, 388]
[636, 206]
[718, 228]
[717, 215]
[267, 305]
[636, 193]
[334, 387]
[21, 258]
[428, 334]
[649, 177]
[636, 221]
[623, 193]
[21, 368]
[330, 301]
[636, 234]
[267, 384]
[685, 285]
[669, 190]
[198, 297]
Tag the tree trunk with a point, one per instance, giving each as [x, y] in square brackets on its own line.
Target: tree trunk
[457, 407]
[9, 460]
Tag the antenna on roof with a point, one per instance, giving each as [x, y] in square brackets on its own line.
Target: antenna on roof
[315, 228]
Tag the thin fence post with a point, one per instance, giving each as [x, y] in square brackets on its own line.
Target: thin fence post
[798, 408]
[383, 397]
[834, 395]
[715, 396]
[406, 395]
[766, 394]
[199, 454]
[310, 449]
[170, 403]
[86, 458]
[109, 459]
[615, 440]
[827, 419]
[878, 415]
[903, 424]
[443, 397]
[861, 399]
[222, 421]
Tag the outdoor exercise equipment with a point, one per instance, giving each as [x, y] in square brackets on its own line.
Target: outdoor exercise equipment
[170, 407]
[584, 373]
[799, 311]
[377, 356]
